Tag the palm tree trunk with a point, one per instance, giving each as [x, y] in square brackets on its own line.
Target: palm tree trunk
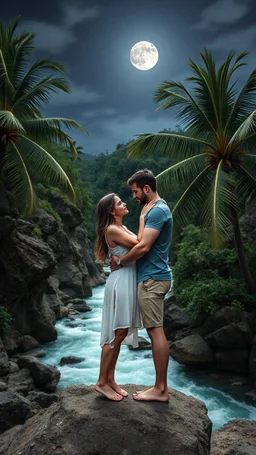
[241, 252]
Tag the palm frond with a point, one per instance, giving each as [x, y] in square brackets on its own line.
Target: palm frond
[180, 173]
[190, 113]
[245, 130]
[192, 200]
[34, 75]
[246, 183]
[19, 179]
[5, 81]
[217, 213]
[244, 103]
[49, 169]
[249, 163]
[174, 145]
[10, 122]
[39, 94]
[50, 128]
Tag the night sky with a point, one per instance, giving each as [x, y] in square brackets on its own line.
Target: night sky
[111, 98]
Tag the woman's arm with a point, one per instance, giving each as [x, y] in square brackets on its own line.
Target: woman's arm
[120, 236]
[141, 227]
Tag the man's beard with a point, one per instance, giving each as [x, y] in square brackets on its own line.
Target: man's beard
[143, 199]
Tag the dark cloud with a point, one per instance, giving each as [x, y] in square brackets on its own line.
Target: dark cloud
[111, 98]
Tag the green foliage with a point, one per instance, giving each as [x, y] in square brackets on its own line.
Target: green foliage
[24, 90]
[206, 279]
[5, 320]
[104, 174]
[36, 232]
[46, 205]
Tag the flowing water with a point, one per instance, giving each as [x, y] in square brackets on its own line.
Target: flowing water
[135, 367]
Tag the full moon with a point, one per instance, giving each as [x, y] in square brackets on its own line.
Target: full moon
[144, 55]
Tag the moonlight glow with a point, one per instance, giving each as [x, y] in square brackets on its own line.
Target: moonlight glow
[144, 55]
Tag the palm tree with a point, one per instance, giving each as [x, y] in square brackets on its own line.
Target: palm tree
[24, 132]
[215, 152]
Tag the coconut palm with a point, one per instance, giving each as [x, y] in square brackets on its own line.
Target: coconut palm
[215, 152]
[24, 89]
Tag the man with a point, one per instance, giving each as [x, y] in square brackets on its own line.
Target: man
[154, 276]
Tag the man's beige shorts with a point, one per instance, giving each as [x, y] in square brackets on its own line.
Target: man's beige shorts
[151, 301]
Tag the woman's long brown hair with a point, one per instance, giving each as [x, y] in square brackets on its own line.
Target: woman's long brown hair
[104, 219]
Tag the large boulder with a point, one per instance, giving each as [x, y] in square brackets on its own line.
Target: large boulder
[14, 410]
[222, 317]
[45, 376]
[236, 335]
[83, 422]
[191, 350]
[21, 382]
[174, 319]
[237, 437]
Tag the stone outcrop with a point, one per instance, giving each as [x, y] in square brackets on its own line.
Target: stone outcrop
[227, 340]
[82, 422]
[191, 350]
[237, 437]
[47, 268]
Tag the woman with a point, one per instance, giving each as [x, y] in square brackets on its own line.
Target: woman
[120, 315]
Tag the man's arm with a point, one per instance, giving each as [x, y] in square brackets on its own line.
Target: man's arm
[149, 236]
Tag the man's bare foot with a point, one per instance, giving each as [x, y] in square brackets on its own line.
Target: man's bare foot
[108, 392]
[151, 394]
[117, 388]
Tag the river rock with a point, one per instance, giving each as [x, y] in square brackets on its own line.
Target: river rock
[174, 319]
[11, 340]
[143, 344]
[237, 437]
[3, 386]
[222, 317]
[28, 343]
[236, 335]
[45, 376]
[43, 399]
[21, 381]
[191, 350]
[70, 360]
[84, 422]
[14, 410]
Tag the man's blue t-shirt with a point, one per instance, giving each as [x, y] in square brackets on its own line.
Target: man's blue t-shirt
[155, 263]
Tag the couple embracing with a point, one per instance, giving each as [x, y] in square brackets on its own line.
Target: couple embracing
[139, 279]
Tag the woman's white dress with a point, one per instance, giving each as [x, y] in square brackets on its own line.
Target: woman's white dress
[120, 307]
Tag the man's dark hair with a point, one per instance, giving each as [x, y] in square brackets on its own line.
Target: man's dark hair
[142, 178]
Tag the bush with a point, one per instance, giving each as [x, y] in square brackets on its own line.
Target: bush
[36, 232]
[5, 320]
[206, 279]
[45, 205]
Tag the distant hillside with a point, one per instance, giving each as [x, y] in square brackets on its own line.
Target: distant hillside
[106, 173]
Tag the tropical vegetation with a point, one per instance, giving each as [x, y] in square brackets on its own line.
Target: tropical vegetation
[25, 135]
[215, 152]
[201, 270]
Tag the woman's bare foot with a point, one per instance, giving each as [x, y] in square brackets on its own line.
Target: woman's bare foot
[108, 392]
[151, 394]
[117, 388]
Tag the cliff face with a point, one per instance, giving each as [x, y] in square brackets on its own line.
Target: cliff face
[42, 269]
